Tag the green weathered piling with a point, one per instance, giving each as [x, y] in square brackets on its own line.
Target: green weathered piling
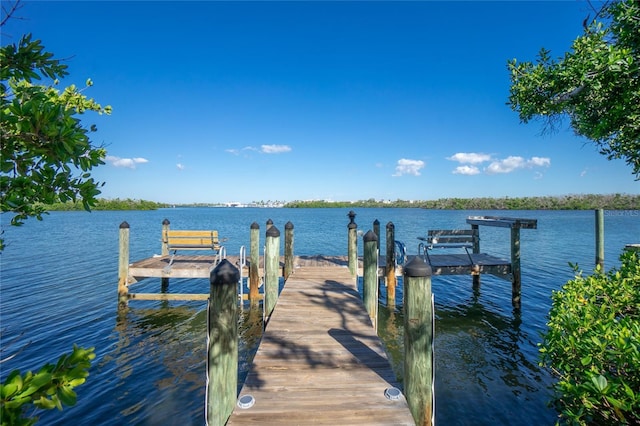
[222, 351]
[288, 249]
[254, 264]
[376, 230]
[352, 244]
[390, 264]
[164, 250]
[123, 265]
[476, 250]
[418, 340]
[516, 273]
[271, 270]
[600, 238]
[370, 276]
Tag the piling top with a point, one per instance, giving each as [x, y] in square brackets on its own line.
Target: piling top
[273, 232]
[166, 222]
[390, 225]
[124, 225]
[288, 225]
[352, 216]
[370, 236]
[255, 225]
[417, 268]
[224, 274]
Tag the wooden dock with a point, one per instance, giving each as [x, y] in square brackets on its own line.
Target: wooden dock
[200, 266]
[320, 360]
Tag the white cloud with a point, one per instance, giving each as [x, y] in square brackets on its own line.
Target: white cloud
[506, 165]
[539, 162]
[466, 170]
[408, 167]
[513, 163]
[274, 149]
[469, 157]
[125, 162]
[180, 166]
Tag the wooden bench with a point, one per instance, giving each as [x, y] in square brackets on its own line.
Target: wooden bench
[175, 240]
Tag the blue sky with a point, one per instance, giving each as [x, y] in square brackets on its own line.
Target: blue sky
[249, 101]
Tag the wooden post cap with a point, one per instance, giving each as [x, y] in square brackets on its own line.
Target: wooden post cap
[288, 225]
[124, 225]
[370, 236]
[352, 217]
[166, 222]
[273, 232]
[225, 273]
[255, 225]
[417, 268]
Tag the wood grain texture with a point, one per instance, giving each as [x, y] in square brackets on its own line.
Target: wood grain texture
[320, 360]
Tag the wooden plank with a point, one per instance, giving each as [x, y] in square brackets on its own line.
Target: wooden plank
[503, 222]
[191, 233]
[169, 296]
[320, 360]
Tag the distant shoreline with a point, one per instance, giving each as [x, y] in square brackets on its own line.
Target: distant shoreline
[563, 202]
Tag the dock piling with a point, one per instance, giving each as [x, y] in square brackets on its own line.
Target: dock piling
[600, 238]
[370, 277]
[418, 340]
[123, 265]
[271, 270]
[516, 271]
[353, 244]
[254, 263]
[390, 263]
[376, 230]
[165, 229]
[476, 250]
[288, 249]
[222, 349]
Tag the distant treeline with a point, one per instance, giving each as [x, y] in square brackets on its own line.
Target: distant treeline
[111, 204]
[565, 202]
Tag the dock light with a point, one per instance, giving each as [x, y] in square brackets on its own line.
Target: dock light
[392, 394]
[246, 401]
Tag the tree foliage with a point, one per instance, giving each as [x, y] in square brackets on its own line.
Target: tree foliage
[567, 202]
[110, 204]
[593, 345]
[596, 84]
[51, 387]
[46, 154]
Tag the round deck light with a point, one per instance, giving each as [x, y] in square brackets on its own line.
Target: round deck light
[392, 394]
[246, 401]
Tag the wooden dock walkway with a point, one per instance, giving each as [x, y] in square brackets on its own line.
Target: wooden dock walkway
[320, 360]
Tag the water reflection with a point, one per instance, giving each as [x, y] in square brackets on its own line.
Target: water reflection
[482, 359]
[168, 343]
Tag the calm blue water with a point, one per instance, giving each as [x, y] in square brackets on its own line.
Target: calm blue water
[59, 287]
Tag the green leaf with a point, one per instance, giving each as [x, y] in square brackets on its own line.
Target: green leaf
[600, 382]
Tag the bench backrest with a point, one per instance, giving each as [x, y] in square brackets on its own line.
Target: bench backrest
[192, 240]
[452, 238]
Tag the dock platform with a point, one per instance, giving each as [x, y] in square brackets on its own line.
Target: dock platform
[320, 360]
